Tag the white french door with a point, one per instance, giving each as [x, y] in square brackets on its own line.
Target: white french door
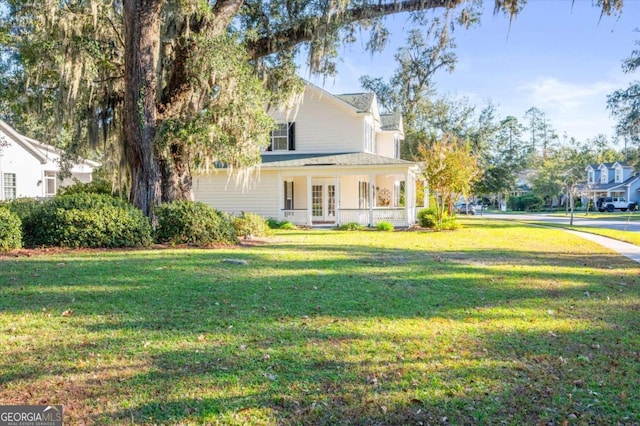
[323, 202]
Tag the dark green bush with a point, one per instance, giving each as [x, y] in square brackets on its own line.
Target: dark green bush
[10, 230]
[427, 217]
[251, 225]
[97, 186]
[285, 224]
[23, 207]
[87, 220]
[188, 222]
[385, 226]
[350, 226]
[525, 203]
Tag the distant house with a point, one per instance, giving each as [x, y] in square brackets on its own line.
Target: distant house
[333, 159]
[29, 168]
[612, 180]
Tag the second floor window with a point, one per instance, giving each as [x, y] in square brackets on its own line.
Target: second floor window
[369, 138]
[603, 176]
[283, 138]
[618, 175]
[590, 176]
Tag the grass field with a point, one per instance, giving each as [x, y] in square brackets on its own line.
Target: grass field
[497, 323]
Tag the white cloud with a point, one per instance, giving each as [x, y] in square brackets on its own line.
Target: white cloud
[565, 97]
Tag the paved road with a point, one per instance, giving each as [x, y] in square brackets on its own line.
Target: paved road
[628, 250]
[619, 224]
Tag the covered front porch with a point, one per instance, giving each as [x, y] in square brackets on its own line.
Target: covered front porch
[316, 199]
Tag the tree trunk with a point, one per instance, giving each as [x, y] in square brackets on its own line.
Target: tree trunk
[176, 176]
[142, 38]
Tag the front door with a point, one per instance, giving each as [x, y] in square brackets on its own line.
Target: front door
[323, 202]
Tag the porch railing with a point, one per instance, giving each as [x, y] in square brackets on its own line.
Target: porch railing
[396, 217]
[353, 215]
[297, 217]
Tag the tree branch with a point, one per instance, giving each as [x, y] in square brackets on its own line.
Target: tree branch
[304, 31]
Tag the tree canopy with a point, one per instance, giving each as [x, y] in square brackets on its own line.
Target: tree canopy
[166, 86]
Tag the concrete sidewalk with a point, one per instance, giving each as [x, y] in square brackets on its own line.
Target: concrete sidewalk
[631, 251]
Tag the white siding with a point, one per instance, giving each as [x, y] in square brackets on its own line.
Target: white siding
[225, 194]
[384, 144]
[324, 124]
[28, 170]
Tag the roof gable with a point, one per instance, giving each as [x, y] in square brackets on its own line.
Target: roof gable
[22, 141]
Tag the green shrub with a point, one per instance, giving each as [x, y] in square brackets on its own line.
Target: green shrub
[87, 220]
[23, 207]
[525, 203]
[251, 225]
[449, 223]
[350, 226]
[10, 230]
[287, 225]
[188, 222]
[384, 226]
[427, 217]
[97, 186]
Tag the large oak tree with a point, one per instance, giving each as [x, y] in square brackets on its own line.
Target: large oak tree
[175, 84]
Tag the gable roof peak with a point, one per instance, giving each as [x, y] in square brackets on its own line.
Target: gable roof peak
[362, 102]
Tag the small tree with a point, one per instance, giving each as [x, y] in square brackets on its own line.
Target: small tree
[449, 169]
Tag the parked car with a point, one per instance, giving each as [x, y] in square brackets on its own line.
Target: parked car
[614, 203]
[464, 208]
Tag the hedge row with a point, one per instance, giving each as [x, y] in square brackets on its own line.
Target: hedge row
[81, 219]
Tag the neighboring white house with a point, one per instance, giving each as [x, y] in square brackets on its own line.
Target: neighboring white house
[332, 160]
[29, 168]
[613, 180]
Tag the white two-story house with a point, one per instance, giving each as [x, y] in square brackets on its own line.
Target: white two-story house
[333, 159]
[29, 168]
[613, 180]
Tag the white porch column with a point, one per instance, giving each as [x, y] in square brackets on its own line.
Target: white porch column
[371, 190]
[337, 199]
[409, 191]
[280, 198]
[309, 202]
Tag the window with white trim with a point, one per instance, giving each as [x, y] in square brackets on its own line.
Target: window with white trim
[9, 186]
[288, 195]
[396, 146]
[49, 184]
[283, 137]
[619, 174]
[280, 138]
[363, 195]
[604, 174]
[590, 178]
[369, 137]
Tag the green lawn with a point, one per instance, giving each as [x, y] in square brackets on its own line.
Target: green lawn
[495, 323]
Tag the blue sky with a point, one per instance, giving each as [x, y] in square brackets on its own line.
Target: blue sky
[559, 57]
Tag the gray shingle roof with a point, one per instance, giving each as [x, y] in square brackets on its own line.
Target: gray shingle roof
[391, 121]
[338, 159]
[360, 101]
[611, 185]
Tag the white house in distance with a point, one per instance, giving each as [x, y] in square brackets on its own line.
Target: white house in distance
[613, 180]
[332, 160]
[29, 168]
